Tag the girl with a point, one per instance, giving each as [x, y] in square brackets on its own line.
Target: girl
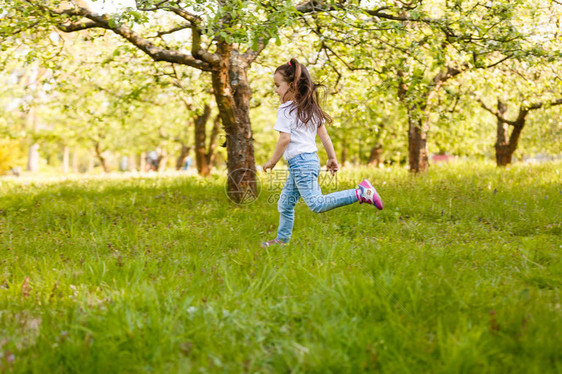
[299, 119]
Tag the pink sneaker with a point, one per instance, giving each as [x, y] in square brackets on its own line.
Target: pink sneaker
[366, 193]
[269, 243]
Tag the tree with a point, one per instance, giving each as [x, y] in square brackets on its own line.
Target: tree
[204, 155]
[226, 37]
[527, 84]
[22, 114]
[115, 100]
[507, 143]
[431, 43]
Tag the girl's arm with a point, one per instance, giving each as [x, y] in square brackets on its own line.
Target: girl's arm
[332, 163]
[282, 143]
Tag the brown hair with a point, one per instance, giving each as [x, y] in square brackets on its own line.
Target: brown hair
[306, 96]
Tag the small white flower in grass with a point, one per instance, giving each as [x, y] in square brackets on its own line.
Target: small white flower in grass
[191, 310]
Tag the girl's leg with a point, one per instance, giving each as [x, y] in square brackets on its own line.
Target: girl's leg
[286, 207]
[306, 179]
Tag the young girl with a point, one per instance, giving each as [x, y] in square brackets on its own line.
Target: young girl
[299, 119]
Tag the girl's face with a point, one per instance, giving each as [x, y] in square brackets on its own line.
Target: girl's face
[282, 88]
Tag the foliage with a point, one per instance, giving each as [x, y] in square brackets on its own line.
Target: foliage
[363, 54]
[10, 155]
[115, 97]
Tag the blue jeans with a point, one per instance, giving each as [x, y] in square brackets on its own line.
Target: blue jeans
[303, 182]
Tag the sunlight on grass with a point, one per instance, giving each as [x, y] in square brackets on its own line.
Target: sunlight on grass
[461, 272]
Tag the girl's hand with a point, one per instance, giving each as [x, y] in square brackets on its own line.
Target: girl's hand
[268, 165]
[332, 165]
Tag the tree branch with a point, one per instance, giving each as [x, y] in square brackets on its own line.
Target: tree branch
[19, 30]
[498, 62]
[156, 7]
[325, 46]
[104, 21]
[379, 14]
[311, 6]
[523, 111]
[540, 105]
[171, 31]
[496, 113]
[250, 55]
[194, 20]
[198, 51]
[77, 26]
[449, 73]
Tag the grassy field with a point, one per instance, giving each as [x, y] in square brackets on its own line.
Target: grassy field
[461, 273]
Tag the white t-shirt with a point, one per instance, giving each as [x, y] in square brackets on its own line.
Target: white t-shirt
[303, 137]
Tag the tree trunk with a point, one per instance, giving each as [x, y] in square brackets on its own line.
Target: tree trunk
[75, 162]
[201, 160]
[184, 152]
[344, 152]
[503, 155]
[417, 132]
[232, 93]
[33, 158]
[375, 157]
[506, 146]
[100, 157]
[132, 162]
[91, 162]
[142, 162]
[65, 159]
[417, 145]
[162, 161]
[419, 115]
[33, 151]
[213, 141]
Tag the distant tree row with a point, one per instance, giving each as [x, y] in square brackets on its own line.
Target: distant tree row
[404, 77]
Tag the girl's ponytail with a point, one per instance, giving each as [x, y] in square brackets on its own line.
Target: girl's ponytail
[306, 99]
[298, 71]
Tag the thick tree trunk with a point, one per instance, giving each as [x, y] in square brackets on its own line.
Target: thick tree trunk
[419, 115]
[417, 145]
[232, 93]
[507, 144]
[417, 129]
[503, 154]
[201, 160]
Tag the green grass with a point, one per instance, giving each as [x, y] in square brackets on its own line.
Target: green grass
[461, 273]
